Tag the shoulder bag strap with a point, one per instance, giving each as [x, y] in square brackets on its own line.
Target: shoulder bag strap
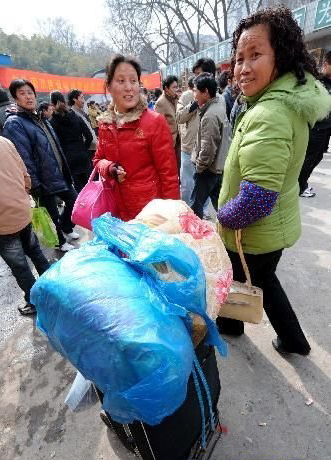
[242, 257]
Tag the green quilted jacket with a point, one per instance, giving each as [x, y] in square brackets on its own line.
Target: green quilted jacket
[268, 149]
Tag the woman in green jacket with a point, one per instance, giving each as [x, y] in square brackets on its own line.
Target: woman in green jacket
[260, 183]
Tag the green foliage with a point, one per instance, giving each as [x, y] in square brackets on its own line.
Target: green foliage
[46, 53]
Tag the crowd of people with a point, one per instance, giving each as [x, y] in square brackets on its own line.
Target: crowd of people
[245, 141]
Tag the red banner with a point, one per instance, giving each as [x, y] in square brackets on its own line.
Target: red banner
[151, 81]
[45, 82]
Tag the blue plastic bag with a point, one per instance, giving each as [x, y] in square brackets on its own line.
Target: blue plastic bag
[118, 323]
[145, 247]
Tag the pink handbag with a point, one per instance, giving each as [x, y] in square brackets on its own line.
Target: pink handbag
[96, 198]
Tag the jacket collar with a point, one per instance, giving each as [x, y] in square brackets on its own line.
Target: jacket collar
[111, 116]
[4, 103]
[310, 101]
[22, 110]
[204, 108]
[173, 100]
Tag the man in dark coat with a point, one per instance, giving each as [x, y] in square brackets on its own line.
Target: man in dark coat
[319, 138]
[4, 105]
[76, 102]
[40, 150]
[75, 139]
[225, 86]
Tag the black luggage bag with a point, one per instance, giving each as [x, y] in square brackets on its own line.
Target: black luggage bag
[179, 436]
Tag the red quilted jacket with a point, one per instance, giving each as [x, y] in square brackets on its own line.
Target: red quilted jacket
[142, 145]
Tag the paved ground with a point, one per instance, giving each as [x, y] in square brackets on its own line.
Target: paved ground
[291, 399]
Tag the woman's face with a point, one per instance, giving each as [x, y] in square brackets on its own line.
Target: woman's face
[255, 66]
[124, 87]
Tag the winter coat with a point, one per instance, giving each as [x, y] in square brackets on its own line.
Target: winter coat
[141, 143]
[188, 122]
[326, 122]
[236, 110]
[268, 149]
[229, 100]
[86, 120]
[15, 183]
[167, 107]
[3, 107]
[93, 113]
[75, 139]
[213, 138]
[36, 151]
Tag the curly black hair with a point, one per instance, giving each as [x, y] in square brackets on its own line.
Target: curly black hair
[286, 39]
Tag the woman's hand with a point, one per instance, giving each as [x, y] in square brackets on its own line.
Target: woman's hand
[120, 174]
[104, 168]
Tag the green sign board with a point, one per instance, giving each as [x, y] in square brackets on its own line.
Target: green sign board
[190, 62]
[211, 53]
[224, 51]
[175, 69]
[300, 16]
[200, 55]
[182, 66]
[323, 14]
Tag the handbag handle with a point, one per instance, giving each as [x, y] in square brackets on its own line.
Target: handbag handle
[242, 257]
[93, 173]
[102, 179]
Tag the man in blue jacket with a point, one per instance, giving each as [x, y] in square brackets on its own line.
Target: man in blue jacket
[39, 148]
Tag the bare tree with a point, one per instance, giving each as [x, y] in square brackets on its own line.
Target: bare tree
[59, 29]
[163, 26]
[171, 29]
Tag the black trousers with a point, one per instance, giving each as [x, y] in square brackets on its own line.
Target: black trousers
[14, 249]
[206, 184]
[262, 268]
[62, 223]
[317, 146]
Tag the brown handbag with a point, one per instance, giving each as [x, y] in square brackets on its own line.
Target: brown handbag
[245, 301]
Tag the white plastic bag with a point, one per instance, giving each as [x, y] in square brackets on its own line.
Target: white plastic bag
[81, 393]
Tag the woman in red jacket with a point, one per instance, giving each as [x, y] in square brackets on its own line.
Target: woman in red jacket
[135, 144]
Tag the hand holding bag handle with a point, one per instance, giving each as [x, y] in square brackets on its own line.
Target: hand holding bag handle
[96, 198]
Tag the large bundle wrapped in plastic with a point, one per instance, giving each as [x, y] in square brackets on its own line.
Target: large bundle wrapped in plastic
[176, 218]
[106, 308]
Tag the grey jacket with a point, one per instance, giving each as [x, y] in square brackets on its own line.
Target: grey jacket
[188, 122]
[213, 138]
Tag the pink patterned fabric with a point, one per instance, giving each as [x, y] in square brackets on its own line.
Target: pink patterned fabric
[223, 286]
[191, 223]
[95, 199]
